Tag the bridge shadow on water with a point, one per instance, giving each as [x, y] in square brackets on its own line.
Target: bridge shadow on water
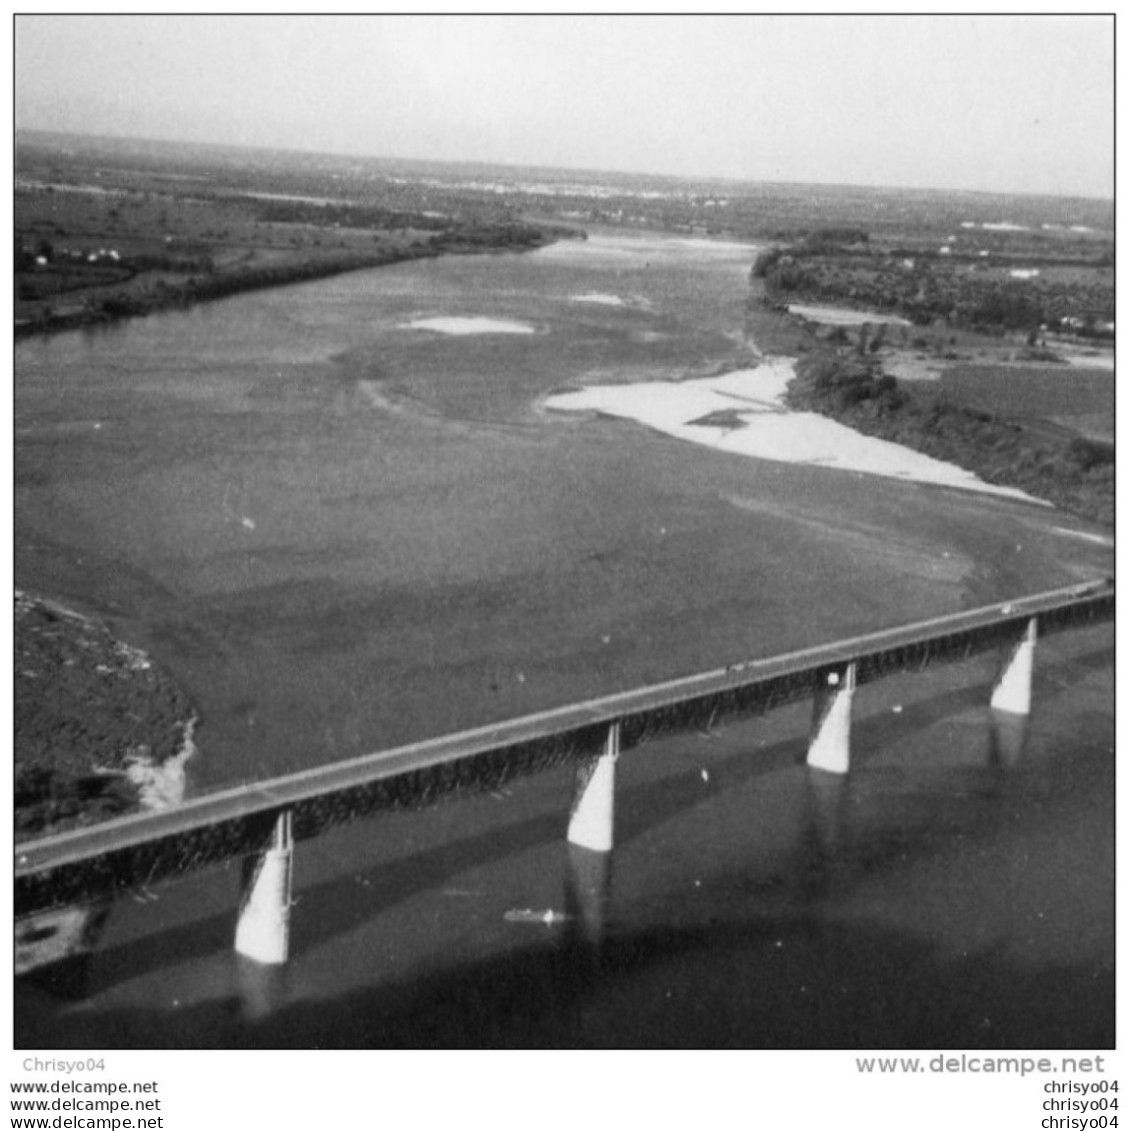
[783, 982]
[779, 975]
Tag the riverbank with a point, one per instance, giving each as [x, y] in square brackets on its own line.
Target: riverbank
[748, 412]
[115, 238]
[1023, 281]
[1072, 472]
[99, 729]
[151, 292]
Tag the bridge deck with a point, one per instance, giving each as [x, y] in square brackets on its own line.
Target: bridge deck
[144, 847]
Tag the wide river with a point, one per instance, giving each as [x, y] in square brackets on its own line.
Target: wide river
[342, 524]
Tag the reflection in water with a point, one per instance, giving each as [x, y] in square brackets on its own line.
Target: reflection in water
[67, 980]
[825, 841]
[826, 793]
[262, 987]
[823, 836]
[588, 884]
[1007, 737]
[58, 945]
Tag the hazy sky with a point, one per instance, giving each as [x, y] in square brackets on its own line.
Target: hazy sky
[1011, 103]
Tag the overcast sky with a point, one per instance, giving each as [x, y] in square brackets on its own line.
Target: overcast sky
[1011, 103]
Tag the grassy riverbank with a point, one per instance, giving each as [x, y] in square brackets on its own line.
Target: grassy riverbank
[103, 234]
[96, 722]
[1072, 472]
[146, 291]
[1024, 282]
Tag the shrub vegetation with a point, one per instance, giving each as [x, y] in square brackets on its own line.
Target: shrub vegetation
[1075, 474]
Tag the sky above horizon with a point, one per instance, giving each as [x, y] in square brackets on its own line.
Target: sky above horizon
[991, 103]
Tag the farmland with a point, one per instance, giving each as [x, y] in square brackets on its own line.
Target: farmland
[111, 229]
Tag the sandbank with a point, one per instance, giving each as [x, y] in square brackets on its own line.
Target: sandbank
[468, 325]
[602, 299]
[835, 316]
[743, 412]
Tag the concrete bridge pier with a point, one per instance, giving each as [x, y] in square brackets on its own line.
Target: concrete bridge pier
[592, 821]
[829, 747]
[1012, 690]
[263, 929]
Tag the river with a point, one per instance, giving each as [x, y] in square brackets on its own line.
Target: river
[342, 527]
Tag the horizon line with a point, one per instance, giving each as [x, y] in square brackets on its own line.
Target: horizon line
[568, 169]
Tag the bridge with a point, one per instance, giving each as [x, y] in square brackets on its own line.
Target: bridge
[260, 823]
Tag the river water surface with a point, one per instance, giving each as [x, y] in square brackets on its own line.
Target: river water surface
[342, 527]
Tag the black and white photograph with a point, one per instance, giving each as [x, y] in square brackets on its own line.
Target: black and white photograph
[564, 532]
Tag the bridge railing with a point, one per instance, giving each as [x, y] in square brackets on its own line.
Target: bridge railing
[261, 822]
